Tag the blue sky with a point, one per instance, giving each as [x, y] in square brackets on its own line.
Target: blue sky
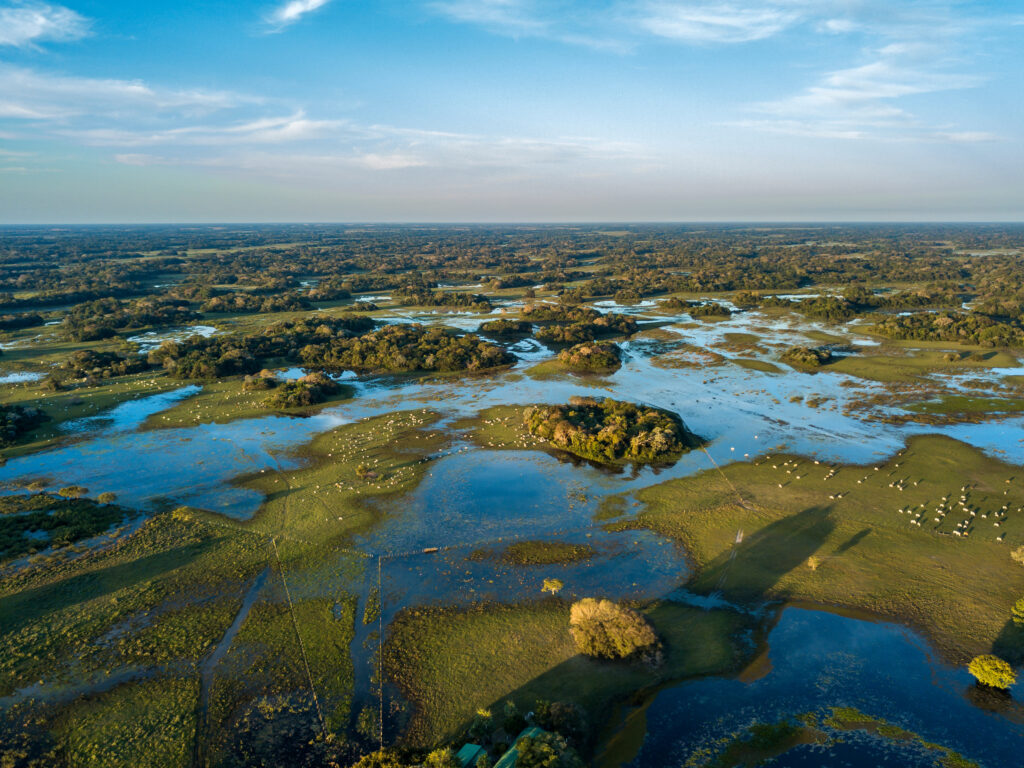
[511, 110]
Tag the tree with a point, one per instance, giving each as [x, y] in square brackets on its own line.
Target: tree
[607, 630]
[553, 586]
[548, 750]
[1017, 612]
[442, 758]
[384, 758]
[992, 671]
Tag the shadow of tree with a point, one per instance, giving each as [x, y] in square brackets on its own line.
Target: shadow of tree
[1009, 644]
[853, 541]
[750, 569]
[22, 608]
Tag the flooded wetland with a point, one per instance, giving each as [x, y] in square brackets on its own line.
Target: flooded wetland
[293, 537]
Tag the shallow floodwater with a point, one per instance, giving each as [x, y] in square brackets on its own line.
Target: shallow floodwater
[483, 501]
[742, 412]
[20, 377]
[476, 500]
[818, 660]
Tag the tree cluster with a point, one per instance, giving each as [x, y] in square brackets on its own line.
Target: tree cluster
[407, 348]
[103, 318]
[807, 357]
[610, 430]
[591, 356]
[91, 365]
[235, 354]
[18, 420]
[250, 302]
[309, 390]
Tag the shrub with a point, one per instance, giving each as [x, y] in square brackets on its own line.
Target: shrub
[547, 750]
[1018, 555]
[309, 390]
[808, 357]
[554, 586]
[442, 758]
[73, 492]
[1017, 612]
[607, 630]
[992, 671]
[259, 382]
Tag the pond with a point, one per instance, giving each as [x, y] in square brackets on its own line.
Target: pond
[816, 660]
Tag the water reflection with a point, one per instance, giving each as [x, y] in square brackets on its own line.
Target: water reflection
[820, 660]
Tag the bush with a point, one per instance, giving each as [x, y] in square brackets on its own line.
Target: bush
[808, 357]
[309, 390]
[1017, 612]
[1018, 555]
[992, 671]
[259, 382]
[442, 758]
[606, 630]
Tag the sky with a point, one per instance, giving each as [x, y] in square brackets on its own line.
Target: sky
[511, 110]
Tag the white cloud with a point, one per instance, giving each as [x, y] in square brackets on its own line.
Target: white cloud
[24, 24]
[33, 95]
[269, 130]
[292, 11]
[715, 22]
[866, 101]
[508, 16]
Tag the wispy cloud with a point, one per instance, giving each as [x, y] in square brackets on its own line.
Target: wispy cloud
[714, 22]
[865, 101]
[266, 130]
[291, 11]
[506, 16]
[25, 24]
[32, 95]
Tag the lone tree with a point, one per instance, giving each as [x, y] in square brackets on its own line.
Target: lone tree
[992, 671]
[607, 630]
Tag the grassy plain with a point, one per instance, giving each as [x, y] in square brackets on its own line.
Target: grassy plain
[856, 549]
[222, 401]
[451, 663]
[904, 363]
[135, 624]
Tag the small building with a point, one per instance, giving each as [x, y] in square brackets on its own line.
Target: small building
[469, 754]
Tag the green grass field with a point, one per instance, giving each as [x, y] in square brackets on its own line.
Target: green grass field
[451, 663]
[856, 549]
